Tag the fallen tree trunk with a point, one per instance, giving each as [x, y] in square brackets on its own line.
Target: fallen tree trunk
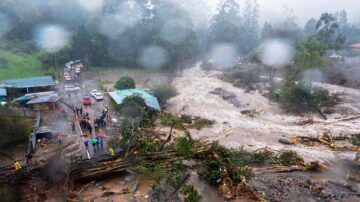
[281, 169]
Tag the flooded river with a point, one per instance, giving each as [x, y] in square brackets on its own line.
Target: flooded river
[233, 129]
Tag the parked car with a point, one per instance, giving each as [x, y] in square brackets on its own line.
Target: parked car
[336, 57]
[86, 100]
[69, 88]
[97, 94]
[67, 78]
[77, 70]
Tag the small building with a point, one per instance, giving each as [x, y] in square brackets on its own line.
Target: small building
[3, 94]
[40, 101]
[17, 87]
[150, 100]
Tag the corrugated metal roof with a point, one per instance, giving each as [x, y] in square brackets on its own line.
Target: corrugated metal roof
[44, 98]
[30, 96]
[3, 92]
[29, 82]
[119, 95]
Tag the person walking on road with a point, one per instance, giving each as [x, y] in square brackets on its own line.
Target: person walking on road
[89, 128]
[96, 124]
[59, 137]
[98, 141]
[73, 127]
[93, 142]
[63, 112]
[100, 137]
[27, 157]
[17, 168]
[81, 110]
[86, 143]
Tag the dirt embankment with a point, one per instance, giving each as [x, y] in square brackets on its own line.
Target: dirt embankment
[197, 89]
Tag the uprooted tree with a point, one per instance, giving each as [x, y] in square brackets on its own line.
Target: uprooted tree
[143, 150]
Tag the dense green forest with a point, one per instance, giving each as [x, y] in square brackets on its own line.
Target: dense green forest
[39, 36]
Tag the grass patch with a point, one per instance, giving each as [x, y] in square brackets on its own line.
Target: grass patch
[14, 130]
[21, 65]
[191, 194]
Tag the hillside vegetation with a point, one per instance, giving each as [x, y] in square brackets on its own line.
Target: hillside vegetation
[18, 65]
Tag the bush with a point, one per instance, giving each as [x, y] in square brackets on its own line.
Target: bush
[125, 83]
[132, 107]
[167, 119]
[14, 130]
[201, 123]
[206, 65]
[245, 76]
[186, 118]
[191, 194]
[301, 97]
[229, 159]
[164, 92]
[288, 158]
[183, 147]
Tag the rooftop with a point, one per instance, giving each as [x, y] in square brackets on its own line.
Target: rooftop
[119, 95]
[44, 98]
[28, 82]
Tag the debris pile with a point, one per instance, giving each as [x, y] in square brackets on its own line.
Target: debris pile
[184, 121]
[251, 113]
[228, 169]
[229, 97]
[334, 143]
[298, 186]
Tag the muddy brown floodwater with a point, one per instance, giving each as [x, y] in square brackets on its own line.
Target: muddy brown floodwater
[234, 130]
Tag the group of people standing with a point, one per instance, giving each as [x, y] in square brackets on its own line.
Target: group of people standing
[98, 141]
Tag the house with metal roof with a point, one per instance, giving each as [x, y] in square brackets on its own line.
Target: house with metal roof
[40, 101]
[16, 87]
[150, 100]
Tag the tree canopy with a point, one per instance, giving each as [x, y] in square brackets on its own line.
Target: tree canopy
[125, 83]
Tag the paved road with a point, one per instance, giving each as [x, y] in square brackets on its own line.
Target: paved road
[95, 111]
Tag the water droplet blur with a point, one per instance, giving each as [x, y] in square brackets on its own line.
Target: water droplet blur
[223, 55]
[276, 52]
[91, 6]
[153, 57]
[175, 31]
[52, 38]
[126, 16]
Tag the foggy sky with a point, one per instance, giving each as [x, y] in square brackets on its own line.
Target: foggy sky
[274, 10]
[305, 9]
